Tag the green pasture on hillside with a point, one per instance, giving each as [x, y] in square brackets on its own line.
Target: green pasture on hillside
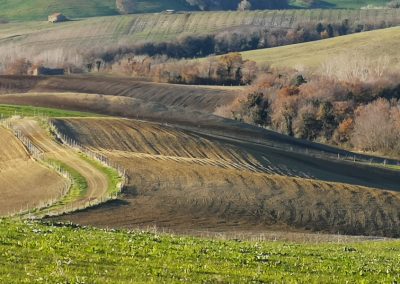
[11, 110]
[36, 253]
[27, 10]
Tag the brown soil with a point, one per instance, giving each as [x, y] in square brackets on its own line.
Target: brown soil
[24, 183]
[201, 122]
[189, 169]
[218, 186]
[196, 97]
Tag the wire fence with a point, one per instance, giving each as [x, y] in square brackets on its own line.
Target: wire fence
[38, 155]
[105, 161]
[331, 154]
[356, 215]
[49, 207]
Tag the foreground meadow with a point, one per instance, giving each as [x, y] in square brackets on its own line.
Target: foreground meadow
[33, 252]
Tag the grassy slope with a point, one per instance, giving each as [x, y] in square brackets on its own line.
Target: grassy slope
[70, 41]
[23, 10]
[367, 45]
[132, 28]
[340, 4]
[10, 110]
[32, 252]
[40, 9]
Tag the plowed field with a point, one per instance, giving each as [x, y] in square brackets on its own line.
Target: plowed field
[177, 183]
[24, 183]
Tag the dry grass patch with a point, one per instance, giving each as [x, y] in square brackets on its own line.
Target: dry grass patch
[372, 45]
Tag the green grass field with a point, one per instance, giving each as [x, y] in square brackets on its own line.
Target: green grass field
[11, 110]
[113, 176]
[35, 253]
[371, 45]
[339, 4]
[22, 10]
[79, 185]
[78, 188]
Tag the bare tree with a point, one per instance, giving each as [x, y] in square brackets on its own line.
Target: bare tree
[395, 4]
[353, 67]
[376, 127]
[20, 66]
[126, 6]
[245, 5]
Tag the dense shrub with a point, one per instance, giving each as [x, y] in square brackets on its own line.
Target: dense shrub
[235, 40]
[228, 69]
[377, 127]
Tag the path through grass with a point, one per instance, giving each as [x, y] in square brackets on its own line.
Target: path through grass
[114, 178]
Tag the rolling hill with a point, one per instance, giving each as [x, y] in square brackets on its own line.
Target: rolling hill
[69, 254]
[22, 10]
[181, 180]
[372, 45]
[338, 4]
[72, 41]
[199, 98]
[192, 170]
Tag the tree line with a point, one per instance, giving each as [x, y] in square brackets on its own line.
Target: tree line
[235, 40]
[361, 112]
[130, 6]
[228, 69]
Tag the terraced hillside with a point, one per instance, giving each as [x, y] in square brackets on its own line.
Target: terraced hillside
[372, 45]
[24, 183]
[182, 180]
[55, 44]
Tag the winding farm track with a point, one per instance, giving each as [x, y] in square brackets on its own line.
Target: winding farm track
[70, 41]
[96, 180]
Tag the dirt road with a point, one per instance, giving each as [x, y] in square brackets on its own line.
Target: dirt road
[96, 180]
